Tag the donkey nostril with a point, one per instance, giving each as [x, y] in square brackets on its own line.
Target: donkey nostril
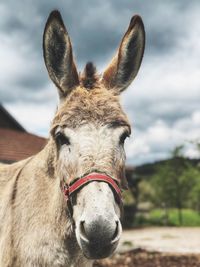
[117, 232]
[82, 228]
[82, 231]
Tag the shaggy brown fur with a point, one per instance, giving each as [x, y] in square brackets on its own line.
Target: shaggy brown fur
[98, 106]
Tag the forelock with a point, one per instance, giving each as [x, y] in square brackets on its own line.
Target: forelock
[89, 78]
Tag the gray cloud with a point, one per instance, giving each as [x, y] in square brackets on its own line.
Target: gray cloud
[166, 89]
[96, 27]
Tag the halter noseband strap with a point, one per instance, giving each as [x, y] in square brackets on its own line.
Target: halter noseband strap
[68, 190]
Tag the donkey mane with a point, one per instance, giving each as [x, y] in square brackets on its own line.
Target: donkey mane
[89, 78]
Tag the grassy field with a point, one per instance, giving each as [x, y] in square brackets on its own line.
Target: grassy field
[157, 217]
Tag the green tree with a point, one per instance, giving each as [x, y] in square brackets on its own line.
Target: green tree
[171, 183]
[193, 172]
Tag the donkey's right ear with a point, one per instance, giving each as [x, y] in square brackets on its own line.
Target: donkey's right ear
[58, 56]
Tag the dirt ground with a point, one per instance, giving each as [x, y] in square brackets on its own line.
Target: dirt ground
[142, 258]
[157, 247]
[162, 239]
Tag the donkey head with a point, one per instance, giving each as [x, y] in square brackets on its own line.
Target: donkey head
[89, 130]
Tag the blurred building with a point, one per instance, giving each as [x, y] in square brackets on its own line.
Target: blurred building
[15, 142]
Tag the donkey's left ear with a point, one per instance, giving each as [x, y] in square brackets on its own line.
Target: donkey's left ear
[126, 63]
[58, 56]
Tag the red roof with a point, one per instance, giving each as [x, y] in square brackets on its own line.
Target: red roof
[16, 145]
[7, 121]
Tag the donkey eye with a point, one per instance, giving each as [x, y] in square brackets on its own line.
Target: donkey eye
[61, 139]
[123, 137]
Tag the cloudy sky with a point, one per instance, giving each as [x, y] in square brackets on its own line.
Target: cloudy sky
[163, 103]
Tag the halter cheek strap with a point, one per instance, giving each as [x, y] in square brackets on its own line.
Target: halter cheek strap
[69, 190]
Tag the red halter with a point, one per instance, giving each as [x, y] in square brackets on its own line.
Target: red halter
[68, 190]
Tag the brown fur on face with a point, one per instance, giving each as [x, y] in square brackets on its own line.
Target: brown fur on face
[98, 106]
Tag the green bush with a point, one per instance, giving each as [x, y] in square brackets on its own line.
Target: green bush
[157, 217]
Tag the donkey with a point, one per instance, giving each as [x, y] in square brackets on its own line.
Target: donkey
[62, 207]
